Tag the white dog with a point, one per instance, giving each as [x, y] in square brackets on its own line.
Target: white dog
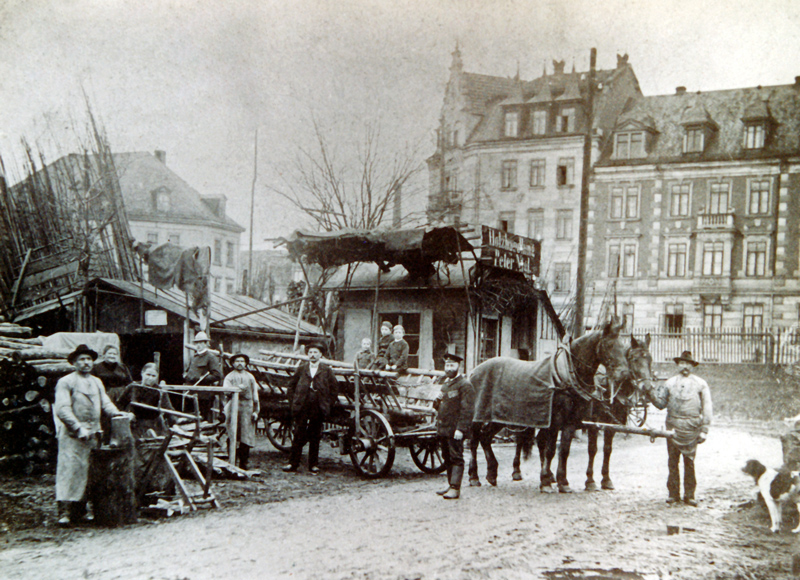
[777, 487]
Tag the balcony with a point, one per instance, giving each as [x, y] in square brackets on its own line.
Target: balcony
[715, 221]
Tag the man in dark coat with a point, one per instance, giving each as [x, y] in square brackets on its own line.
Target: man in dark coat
[313, 391]
[456, 405]
[204, 369]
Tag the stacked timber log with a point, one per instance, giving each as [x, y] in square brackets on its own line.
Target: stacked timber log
[28, 374]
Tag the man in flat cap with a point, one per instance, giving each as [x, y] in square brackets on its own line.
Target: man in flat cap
[249, 407]
[687, 399]
[455, 408]
[80, 401]
[313, 391]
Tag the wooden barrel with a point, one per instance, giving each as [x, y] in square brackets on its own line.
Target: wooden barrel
[112, 486]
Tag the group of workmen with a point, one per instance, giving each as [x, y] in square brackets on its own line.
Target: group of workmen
[82, 400]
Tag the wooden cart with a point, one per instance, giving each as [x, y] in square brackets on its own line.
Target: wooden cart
[378, 411]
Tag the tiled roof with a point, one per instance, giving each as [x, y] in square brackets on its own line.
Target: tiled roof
[141, 173]
[726, 110]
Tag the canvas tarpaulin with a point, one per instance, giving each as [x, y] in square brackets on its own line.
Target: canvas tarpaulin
[169, 265]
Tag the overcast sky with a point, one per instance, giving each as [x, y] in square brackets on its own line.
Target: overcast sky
[197, 78]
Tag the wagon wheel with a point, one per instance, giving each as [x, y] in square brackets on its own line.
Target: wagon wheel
[427, 455]
[372, 448]
[637, 414]
[279, 430]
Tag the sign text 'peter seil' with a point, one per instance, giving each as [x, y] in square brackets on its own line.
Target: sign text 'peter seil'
[509, 251]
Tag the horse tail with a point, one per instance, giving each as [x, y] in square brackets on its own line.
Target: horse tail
[526, 439]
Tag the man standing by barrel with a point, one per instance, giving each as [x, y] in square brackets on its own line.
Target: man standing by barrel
[80, 401]
[456, 404]
[687, 399]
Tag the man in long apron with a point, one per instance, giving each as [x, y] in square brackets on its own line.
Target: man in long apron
[80, 401]
[249, 407]
[687, 399]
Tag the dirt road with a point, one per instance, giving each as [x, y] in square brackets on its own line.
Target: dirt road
[335, 526]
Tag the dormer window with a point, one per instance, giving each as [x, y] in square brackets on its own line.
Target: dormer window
[695, 139]
[512, 124]
[565, 122]
[539, 122]
[755, 135]
[629, 145]
[161, 200]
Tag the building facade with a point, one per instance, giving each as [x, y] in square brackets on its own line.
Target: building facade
[163, 208]
[694, 211]
[510, 155]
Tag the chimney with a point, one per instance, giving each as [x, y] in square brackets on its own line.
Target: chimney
[161, 156]
[680, 90]
[797, 82]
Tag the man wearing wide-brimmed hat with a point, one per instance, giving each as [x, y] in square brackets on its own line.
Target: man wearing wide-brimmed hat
[312, 392]
[80, 401]
[249, 407]
[687, 399]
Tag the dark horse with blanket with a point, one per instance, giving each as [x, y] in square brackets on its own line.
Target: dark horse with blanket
[552, 395]
[616, 405]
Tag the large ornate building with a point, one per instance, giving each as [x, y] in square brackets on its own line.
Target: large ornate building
[510, 155]
[694, 211]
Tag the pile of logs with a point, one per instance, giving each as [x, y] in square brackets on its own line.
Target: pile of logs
[28, 374]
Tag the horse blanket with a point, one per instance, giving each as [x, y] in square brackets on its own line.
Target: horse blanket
[519, 393]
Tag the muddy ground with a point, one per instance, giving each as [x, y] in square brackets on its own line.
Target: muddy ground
[337, 526]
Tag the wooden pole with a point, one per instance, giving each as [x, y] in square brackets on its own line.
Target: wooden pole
[248, 290]
[232, 435]
[652, 433]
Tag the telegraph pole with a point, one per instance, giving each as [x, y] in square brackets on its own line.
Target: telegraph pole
[248, 290]
[580, 281]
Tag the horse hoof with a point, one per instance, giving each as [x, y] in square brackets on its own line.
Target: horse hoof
[546, 489]
[607, 485]
[516, 476]
[492, 481]
[591, 486]
[564, 489]
[474, 483]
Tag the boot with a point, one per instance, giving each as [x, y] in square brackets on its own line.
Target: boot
[449, 475]
[244, 456]
[455, 483]
[63, 513]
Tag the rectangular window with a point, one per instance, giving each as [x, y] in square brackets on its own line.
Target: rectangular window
[561, 276]
[712, 315]
[637, 145]
[613, 261]
[505, 221]
[537, 172]
[759, 196]
[712, 258]
[564, 224]
[718, 202]
[629, 145]
[410, 321]
[175, 239]
[627, 316]
[229, 289]
[617, 203]
[754, 136]
[694, 141]
[632, 203]
[539, 122]
[629, 260]
[217, 284]
[535, 223]
[230, 255]
[676, 260]
[565, 122]
[152, 238]
[162, 202]
[565, 172]
[753, 315]
[509, 174]
[512, 124]
[673, 318]
[489, 339]
[756, 258]
[680, 200]
[218, 252]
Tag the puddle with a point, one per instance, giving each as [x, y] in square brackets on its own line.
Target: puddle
[593, 574]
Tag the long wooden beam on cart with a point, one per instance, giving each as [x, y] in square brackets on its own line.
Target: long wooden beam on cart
[652, 433]
[343, 365]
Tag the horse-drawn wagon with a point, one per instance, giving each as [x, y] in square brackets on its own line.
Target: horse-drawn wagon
[378, 411]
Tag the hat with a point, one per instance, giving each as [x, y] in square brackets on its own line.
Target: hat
[201, 337]
[82, 349]
[318, 345]
[233, 358]
[686, 356]
[452, 356]
[387, 324]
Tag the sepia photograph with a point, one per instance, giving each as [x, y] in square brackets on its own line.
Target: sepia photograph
[362, 290]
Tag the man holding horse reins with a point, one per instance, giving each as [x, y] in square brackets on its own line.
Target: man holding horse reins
[687, 399]
[455, 405]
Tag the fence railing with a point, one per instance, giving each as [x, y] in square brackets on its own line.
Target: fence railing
[726, 345]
